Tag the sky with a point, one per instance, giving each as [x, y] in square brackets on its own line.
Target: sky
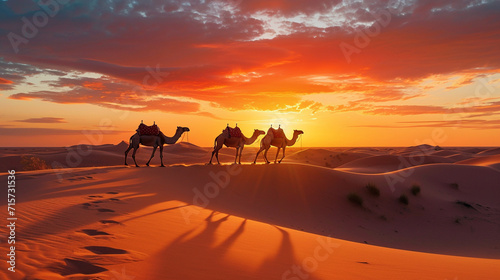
[348, 73]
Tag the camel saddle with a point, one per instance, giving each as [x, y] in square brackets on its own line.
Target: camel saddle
[148, 130]
[278, 133]
[235, 132]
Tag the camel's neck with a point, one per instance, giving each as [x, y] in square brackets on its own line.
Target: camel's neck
[173, 139]
[249, 141]
[293, 140]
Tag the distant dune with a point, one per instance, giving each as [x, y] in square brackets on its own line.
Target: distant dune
[492, 161]
[324, 157]
[101, 155]
[387, 163]
[490, 152]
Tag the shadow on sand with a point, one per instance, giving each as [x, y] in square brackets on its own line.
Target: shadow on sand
[202, 257]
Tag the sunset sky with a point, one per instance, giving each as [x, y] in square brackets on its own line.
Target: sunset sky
[347, 73]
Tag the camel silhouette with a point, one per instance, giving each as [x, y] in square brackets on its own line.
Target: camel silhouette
[234, 142]
[154, 141]
[281, 142]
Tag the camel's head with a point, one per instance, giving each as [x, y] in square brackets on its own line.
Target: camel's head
[258, 132]
[182, 129]
[298, 132]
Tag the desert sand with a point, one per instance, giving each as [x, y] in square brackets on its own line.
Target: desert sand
[98, 219]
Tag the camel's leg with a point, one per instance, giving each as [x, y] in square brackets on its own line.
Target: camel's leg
[161, 156]
[236, 156]
[283, 155]
[217, 147]
[126, 152]
[241, 151]
[213, 152]
[152, 155]
[217, 156]
[265, 154]
[133, 156]
[258, 152]
[277, 153]
[216, 153]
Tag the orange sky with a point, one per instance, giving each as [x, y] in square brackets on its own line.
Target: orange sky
[346, 73]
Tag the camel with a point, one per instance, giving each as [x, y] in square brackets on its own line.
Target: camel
[153, 141]
[234, 142]
[281, 143]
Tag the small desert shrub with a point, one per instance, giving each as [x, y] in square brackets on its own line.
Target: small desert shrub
[454, 186]
[372, 189]
[415, 190]
[355, 199]
[30, 162]
[403, 199]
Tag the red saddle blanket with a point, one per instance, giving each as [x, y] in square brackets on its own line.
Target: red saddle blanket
[278, 133]
[235, 132]
[148, 130]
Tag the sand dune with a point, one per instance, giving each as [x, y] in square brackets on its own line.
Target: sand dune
[101, 155]
[491, 161]
[324, 157]
[418, 150]
[285, 221]
[489, 152]
[387, 163]
[453, 154]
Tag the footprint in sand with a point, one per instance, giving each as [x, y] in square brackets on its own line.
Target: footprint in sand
[93, 232]
[107, 222]
[81, 178]
[94, 196]
[104, 201]
[73, 266]
[94, 205]
[112, 192]
[105, 210]
[102, 250]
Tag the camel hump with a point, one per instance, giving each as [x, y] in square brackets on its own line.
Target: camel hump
[148, 129]
[277, 133]
[235, 132]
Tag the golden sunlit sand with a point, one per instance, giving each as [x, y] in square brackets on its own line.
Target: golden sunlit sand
[102, 220]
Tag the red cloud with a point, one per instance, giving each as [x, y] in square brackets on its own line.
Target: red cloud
[206, 54]
[5, 81]
[412, 110]
[115, 100]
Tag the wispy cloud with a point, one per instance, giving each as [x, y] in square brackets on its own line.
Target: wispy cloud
[43, 120]
[37, 131]
[458, 123]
